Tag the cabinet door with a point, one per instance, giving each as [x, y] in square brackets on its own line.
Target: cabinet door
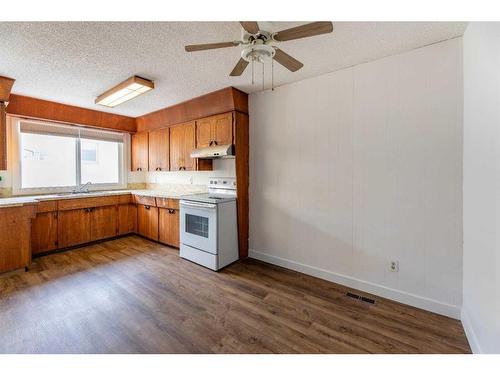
[44, 232]
[127, 218]
[169, 226]
[147, 221]
[15, 233]
[204, 132]
[223, 129]
[159, 150]
[140, 151]
[189, 146]
[103, 223]
[73, 227]
[176, 148]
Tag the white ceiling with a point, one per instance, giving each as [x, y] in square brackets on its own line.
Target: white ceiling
[75, 62]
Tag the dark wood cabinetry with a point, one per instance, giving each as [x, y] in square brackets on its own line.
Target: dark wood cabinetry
[140, 155]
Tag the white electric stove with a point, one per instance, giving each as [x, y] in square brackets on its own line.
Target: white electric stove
[209, 231]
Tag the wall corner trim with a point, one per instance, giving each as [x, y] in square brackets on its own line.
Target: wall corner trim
[469, 332]
[424, 303]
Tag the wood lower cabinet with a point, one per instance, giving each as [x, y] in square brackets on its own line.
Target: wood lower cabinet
[159, 150]
[44, 235]
[127, 218]
[15, 237]
[169, 226]
[74, 227]
[147, 221]
[103, 222]
[140, 153]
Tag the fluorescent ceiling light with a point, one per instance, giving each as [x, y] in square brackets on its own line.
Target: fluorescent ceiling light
[129, 89]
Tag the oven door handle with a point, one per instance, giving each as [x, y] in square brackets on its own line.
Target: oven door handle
[198, 205]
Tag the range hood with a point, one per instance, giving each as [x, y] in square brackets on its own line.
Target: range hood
[213, 152]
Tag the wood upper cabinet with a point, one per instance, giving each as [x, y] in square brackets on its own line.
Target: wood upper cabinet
[223, 129]
[169, 226]
[147, 221]
[140, 145]
[103, 222]
[127, 218]
[182, 142]
[204, 136]
[44, 232]
[74, 227]
[214, 130]
[159, 153]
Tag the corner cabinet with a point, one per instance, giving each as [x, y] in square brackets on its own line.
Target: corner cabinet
[140, 151]
[182, 142]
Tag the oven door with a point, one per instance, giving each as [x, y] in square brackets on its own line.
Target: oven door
[199, 225]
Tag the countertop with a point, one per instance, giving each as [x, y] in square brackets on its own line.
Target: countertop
[174, 193]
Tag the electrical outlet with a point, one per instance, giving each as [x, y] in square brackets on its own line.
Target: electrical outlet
[394, 266]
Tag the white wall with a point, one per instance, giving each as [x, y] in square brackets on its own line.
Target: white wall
[356, 168]
[481, 281]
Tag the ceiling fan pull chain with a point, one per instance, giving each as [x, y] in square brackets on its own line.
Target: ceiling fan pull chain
[272, 73]
[263, 70]
[252, 67]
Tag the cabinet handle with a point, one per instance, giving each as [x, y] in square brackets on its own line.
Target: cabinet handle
[215, 143]
[211, 143]
[159, 168]
[139, 169]
[147, 207]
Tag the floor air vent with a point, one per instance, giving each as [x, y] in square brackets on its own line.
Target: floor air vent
[360, 298]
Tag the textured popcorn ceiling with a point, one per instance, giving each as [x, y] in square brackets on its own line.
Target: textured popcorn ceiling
[75, 62]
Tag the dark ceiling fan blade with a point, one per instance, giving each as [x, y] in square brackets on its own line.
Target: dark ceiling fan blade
[304, 31]
[251, 27]
[287, 61]
[202, 47]
[239, 68]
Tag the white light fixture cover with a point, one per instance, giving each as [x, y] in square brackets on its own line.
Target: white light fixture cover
[129, 89]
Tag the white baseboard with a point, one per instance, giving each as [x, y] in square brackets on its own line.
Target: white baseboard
[424, 303]
[469, 332]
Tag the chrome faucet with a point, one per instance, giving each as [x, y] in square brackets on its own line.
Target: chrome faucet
[81, 188]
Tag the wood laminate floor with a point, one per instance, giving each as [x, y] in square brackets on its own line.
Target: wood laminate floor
[131, 295]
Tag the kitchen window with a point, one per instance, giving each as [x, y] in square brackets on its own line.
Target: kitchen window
[50, 157]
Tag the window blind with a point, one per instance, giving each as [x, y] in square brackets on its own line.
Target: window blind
[70, 131]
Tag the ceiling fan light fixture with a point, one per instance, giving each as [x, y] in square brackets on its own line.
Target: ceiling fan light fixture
[125, 91]
[258, 53]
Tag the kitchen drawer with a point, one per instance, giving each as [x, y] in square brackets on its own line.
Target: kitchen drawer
[74, 204]
[146, 201]
[125, 199]
[167, 203]
[47, 206]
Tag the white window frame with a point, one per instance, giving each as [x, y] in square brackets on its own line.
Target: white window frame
[14, 124]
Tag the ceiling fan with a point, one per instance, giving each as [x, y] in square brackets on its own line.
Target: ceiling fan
[259, 44]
